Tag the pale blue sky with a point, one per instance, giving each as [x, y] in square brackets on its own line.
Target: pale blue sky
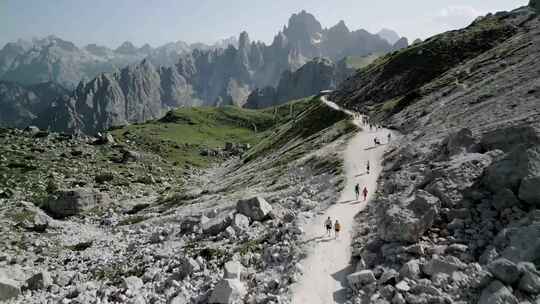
[110, 22]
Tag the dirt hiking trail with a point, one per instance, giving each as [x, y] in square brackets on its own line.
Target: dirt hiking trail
[328, 263]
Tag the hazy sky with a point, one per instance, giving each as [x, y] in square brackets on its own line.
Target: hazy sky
[110, 22]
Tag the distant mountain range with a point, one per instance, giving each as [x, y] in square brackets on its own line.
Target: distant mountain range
[177, 75]
[60, 61]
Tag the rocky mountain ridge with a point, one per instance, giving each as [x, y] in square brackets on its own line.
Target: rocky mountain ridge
[315, 76]
[53, 59]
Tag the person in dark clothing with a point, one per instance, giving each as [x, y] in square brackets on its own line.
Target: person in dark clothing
[328, 226]
[357, 191]
[365, 193]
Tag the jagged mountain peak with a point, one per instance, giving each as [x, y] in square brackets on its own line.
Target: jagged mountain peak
[243, 40]
[302, 24]
[339, 27]
[126, 48]
[389, 35]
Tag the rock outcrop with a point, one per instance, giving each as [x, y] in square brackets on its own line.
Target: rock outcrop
[73, 202]
[315, 76]
[22, 106]
[257, 208]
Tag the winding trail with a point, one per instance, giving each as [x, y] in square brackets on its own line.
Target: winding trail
[328, 262]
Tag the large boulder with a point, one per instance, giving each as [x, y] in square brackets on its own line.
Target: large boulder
[40, 280]
[216, 225]
[358, 279]
[74, 201]
[408, 223]
[257, 208]
[240, 222]
[530, 281]
[228, 291]
[497, 293]
[504, 198]
[519, 171]
[504, 270]
[521, 243]
[529, 189]
[461, 142]
[410, 270]
[8, 289]
[233, 270]
[443, 264]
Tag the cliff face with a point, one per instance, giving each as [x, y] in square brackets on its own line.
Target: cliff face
[135, 94]
[315, 76]
[21, 105]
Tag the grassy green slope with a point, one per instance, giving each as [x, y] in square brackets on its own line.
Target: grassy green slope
[314, 118]
[182, 134]
[358, 62]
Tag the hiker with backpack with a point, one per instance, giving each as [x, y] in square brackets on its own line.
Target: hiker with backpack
[357, 191]
[337, 228]
[328, 226]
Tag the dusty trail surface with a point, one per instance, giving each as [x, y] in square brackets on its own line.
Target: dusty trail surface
[328, 262]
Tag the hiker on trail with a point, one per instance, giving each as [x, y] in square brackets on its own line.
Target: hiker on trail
[389, 137]
[370, 127]
[328, 226]
[357, 191]
[365, 193]
[367, 169]
[337, 228]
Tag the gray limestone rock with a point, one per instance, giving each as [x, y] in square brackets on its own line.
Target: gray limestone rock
[497, 293]
[240, 222]
[40, 280]
[72, 202]
[410, 270]
[409, 223]
[132, 283]
[233, 270]
[358, 279]
[443, 264]
[257, 208]
[228, 291]
[504, 270]
[8, 289]
[216, 225]
[530, 282]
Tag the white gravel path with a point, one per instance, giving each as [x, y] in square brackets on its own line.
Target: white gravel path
[328, 262]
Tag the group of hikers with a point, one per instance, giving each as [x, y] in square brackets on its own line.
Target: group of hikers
[357, 192]
[336, 227]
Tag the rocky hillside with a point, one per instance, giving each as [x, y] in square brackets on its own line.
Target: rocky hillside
[456, 218]
[75, 211]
